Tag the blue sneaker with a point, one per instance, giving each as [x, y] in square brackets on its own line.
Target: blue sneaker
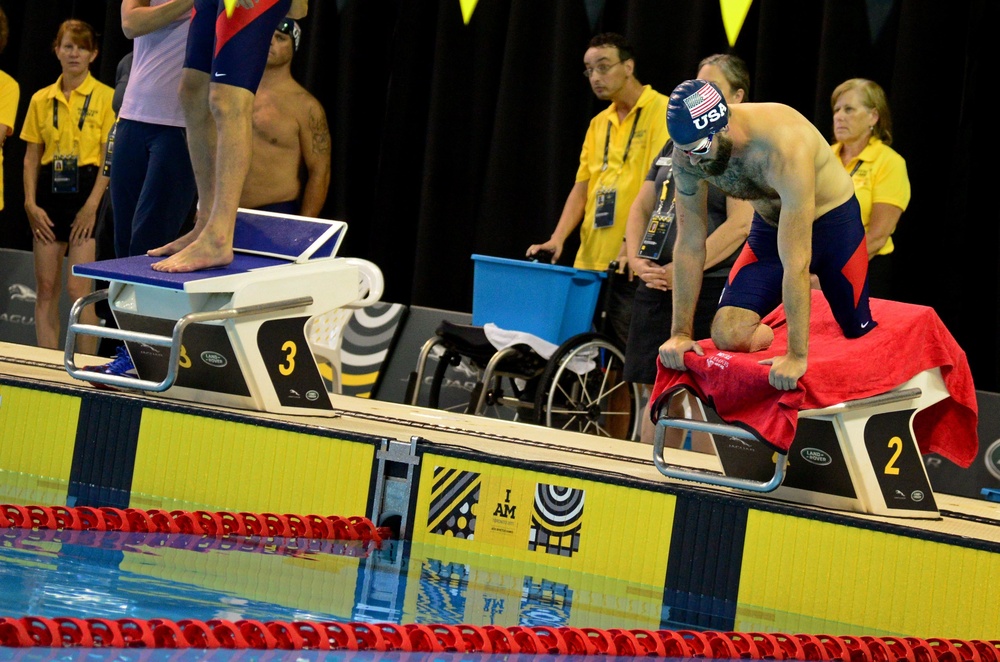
[121, 366]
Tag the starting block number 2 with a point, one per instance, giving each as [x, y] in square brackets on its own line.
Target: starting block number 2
[896, 461]
[890, 468]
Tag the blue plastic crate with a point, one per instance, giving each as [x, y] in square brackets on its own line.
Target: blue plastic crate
[547, 300]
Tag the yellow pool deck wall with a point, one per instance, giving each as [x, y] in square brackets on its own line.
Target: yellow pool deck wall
[514, 500]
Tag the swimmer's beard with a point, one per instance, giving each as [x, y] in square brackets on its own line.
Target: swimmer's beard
[723, 152]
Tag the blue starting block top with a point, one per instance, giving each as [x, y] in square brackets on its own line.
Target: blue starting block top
[261, 239]
[285, 236]
[139, 270]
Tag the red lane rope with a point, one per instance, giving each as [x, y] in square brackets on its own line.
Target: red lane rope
[198, 522]
[32, 631]
[387, 637]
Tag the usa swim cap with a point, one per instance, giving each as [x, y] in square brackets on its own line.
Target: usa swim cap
[291, 27]
[696, 110]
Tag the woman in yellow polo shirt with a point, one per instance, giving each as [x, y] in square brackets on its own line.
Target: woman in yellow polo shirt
[66, 129]
[862, 127]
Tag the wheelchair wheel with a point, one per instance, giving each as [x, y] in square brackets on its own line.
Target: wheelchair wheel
[582, 390]
[446, 360]
[456, 384]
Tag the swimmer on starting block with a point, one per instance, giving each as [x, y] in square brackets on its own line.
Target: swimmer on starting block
[806, 219]
[223, 66]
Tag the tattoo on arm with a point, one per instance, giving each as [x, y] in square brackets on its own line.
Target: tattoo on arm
[320, 133]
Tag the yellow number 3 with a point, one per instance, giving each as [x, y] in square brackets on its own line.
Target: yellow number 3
[289, 366]
[184, 360]
[890, 467]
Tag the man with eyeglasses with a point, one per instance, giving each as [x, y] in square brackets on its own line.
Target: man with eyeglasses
[621, 143]
[805, 218]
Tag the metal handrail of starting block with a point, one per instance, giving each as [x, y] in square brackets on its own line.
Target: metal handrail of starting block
[172, 341]
[781, 459]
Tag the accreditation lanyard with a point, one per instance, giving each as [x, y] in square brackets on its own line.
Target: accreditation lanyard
[628, 145]
[607, 194]
[660, 222]
[65, 167]
[83, 112]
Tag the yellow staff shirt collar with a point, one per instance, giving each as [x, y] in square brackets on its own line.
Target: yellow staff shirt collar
[647, 96]
[83, 89]
[867, 155]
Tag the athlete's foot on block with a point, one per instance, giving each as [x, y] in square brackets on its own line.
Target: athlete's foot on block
[195, 257]
[175, 246]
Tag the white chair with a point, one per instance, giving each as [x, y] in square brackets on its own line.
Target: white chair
[326, 332]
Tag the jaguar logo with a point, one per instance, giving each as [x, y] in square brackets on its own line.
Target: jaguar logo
[816, 456]
[214, 359]
[20, 292]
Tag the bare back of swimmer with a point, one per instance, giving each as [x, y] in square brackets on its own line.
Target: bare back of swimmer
[806, 219]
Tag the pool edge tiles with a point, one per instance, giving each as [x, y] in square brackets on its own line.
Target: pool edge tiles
[39, 431]
[242, 465]
[97, 448]
[812, 575]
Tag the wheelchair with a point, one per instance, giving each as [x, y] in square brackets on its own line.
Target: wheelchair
[579, 388]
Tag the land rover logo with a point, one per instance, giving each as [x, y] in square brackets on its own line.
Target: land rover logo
[214, 359]
[816, 456]
[917, 495]
[312, 396]
[992, 459]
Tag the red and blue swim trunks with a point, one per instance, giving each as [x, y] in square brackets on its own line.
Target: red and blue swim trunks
[839, 260]
[233, 50]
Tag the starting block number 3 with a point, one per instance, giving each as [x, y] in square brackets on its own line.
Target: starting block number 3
[296, 380]
[288, 367]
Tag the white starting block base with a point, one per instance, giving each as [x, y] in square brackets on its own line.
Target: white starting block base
[235, 336]
[859, 456]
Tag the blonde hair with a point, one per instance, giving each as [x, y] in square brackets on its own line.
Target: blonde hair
[873, 98]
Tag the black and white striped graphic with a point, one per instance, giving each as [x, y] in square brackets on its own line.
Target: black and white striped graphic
[556, 520]
[454, 500]
[366, 343]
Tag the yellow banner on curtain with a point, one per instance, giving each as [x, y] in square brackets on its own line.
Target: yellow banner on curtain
[734, 12]
[230, 7]
[468, 6]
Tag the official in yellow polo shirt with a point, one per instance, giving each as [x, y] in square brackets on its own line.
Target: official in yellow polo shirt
[66, 130]
[10, 93]
[862, 127]
[619, 148]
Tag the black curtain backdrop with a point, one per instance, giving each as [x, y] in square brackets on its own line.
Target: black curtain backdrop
[453, 139]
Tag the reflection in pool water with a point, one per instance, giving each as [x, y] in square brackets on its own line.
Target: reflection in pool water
[90, 574]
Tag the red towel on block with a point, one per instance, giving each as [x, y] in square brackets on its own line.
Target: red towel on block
[908, 340]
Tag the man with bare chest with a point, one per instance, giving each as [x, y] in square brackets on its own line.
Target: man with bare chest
[290, 168]
[806, 220]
